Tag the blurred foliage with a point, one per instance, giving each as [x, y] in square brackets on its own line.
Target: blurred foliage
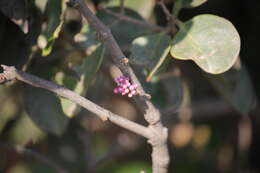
[50, 40]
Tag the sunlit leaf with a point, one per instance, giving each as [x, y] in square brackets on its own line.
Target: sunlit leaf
[55, 11]
[191, 3]
[87, 39]
[47, 50]
[235, 86]
[41, 4]
[179, 4]
[25, 131]
[123, 31]
[150, 51]
[143, 7]
[92, 64]
[212, 42]
[88, 70]
[44, 108]
[8, 110]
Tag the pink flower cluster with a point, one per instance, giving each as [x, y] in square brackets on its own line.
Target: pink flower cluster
[125, 87]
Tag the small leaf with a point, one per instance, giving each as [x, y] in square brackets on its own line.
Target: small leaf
[44, 108]
[212, 42]
[69, 108]
[143, 7]
[179, 4]
[190, 3]
[41, 4]
[47, 50]
[235, 86]
[25, 131]
[150, 51]
[55, 11]
[87, 39]
[123, 31]
[89, 68]
[92, 64]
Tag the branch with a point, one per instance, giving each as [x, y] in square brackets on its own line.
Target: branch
[105, 35]
[121, 16]
[10, 73]
[171, 19]
[165, 10]
[122, 6]
[158, 139]
[33, 154]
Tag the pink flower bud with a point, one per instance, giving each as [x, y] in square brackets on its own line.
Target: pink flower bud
[125, 87]
[135, 85]
[116, 91]
[131, 87]
[133, 92]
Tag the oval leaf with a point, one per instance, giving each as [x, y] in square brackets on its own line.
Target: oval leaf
[24, 125]
[55, 11]
[44, 109]
[89, 68]
[190, 3]
[212, 42]
[150, 51]
[123, 31]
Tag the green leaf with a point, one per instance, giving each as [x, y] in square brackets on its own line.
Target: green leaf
[88, 70]
[44, 108]
[69, 108]
[87, 39]
[143, 7]
[25, 125]
[92, 64]
[179, 4]
[150, 51]
[235, 86]
[55, 11]
[190, 3]
[47, 50]
[123, 31]
[212, 42]
[41, 4]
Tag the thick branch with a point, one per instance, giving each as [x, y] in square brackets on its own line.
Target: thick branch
[10, 73]
[158, 140]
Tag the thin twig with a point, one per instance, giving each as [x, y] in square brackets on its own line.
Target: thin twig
[122, 6]
[171, 19]
[121, 16]
[158, 140]
[33, 154]
[10, 73]
[165, 10]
